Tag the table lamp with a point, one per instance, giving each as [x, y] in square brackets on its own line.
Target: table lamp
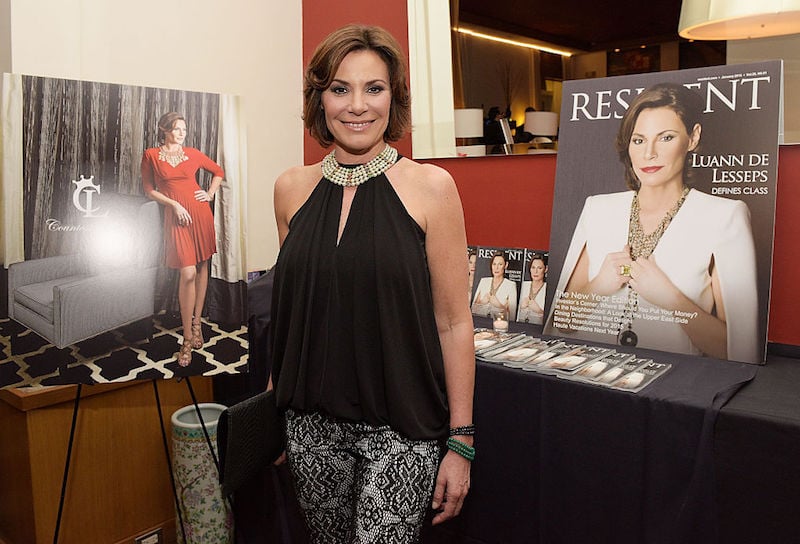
[543, 125]
[469, 130]
[738, 19]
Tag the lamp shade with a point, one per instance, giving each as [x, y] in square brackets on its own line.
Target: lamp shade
[541, 123]
[469, 122]
[738, 19]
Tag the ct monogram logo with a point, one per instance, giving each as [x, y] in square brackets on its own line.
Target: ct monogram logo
[86, 188]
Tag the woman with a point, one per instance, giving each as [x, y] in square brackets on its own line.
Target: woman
[372, 339]
[663, 265]
[496, 294]
[168, 177]
[532, 294]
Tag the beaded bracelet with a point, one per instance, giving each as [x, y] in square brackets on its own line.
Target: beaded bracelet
[465, 451]
[464, 430]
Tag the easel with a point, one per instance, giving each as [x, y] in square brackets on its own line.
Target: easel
[166, 452]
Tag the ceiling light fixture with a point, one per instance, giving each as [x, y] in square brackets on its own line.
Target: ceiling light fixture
[509, 41]
[738, 19]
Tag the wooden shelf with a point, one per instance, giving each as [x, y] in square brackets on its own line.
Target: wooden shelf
[119, 484]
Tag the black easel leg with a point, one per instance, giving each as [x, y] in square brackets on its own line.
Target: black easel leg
[202, 423]
[169, 462]
[66, 463]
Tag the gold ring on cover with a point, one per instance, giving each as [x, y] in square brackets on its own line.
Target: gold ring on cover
[625, 270]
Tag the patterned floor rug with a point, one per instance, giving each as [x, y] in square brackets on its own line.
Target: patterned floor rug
[124, 354]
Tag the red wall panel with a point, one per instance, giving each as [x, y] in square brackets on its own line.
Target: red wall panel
[507, 201]
[784, 326]
[321, 17]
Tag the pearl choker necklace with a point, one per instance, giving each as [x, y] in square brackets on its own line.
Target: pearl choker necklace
[352, 176]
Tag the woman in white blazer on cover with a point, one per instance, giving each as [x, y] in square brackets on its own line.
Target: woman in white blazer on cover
[496, 294]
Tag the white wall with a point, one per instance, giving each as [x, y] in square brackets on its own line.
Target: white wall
[5, 35]
[251, 48]
[587, 65]
[431, 79]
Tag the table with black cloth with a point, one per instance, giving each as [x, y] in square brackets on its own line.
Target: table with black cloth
[568, 462]
[757, 456]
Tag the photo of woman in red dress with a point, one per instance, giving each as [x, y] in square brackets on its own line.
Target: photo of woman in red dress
[168, 177]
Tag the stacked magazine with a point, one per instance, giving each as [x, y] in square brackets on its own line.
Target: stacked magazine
[590, 364]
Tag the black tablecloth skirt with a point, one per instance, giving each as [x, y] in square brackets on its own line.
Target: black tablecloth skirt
[567, 462]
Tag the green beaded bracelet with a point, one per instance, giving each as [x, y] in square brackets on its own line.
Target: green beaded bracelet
[464, 450]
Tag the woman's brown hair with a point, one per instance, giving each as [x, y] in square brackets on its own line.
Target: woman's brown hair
[167, 122]
[686, 104]
[495, 254]
[325, 62]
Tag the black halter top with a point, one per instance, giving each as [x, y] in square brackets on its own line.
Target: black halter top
[354, 334]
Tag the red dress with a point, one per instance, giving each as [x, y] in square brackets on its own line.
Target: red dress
[186, 245]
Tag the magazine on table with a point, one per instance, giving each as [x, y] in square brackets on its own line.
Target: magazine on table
[472, 262]
[518, 358]
[640, 378]
[533, 288]
[496, 353]
[515, 354]
[558, 350]
[497, 280]
[572, 361]
[596, 365]
[485, 339]
[599, 367]
[617, 372]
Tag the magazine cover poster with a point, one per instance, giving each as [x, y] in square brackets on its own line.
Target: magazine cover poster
[533, 289]
[120, 231]
[472, 259]
[498, 276]
[664, 210]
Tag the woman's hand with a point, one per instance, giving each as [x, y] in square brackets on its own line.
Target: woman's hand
[611, 277]
[497, 303]
[707, 331]
[653, 285]
[452, 486]
[203, 196]
[181, 215]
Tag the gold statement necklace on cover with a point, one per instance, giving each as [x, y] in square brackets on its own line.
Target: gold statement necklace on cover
[641, 246]
[173, 158]
[351, 176]
[493, 289]
[533, 292]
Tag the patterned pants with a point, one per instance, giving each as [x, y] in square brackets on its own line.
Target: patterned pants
[358, 483]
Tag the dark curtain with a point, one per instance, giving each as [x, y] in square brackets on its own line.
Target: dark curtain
[265, 508]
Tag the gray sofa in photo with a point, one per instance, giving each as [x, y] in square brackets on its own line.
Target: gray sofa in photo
[69, 298]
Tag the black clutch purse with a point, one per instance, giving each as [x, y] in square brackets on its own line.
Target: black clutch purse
[250, 436]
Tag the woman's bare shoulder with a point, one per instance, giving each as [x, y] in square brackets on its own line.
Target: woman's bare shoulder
[429, 178]
[427, 191]
[297, 181]
[299, 176]
[292, 189]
